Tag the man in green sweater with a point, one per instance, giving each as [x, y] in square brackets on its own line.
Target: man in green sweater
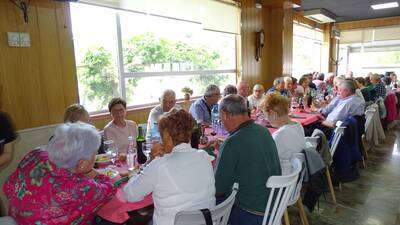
[248, 157]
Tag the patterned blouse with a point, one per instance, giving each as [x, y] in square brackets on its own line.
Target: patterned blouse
[41, 193]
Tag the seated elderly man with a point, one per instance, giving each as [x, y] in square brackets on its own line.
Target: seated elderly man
[249, 157]
[243, 88]
[167, 102]
[256, 97]
[346, 104]
[58, 185]
[201, 108]
[279, 86]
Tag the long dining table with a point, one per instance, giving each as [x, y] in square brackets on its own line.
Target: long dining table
[116, 210]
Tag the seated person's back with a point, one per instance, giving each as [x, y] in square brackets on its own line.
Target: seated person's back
[248, 157]
[182, 179]
[58, 186]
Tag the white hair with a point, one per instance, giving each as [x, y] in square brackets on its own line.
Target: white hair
[73, 142]
[258, 86]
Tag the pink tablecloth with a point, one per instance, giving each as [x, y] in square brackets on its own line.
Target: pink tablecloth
[305, 118]
[117, 209]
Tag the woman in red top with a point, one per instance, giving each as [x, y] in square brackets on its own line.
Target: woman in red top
[58, 185]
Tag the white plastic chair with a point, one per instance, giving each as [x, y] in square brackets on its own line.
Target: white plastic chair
[281, 189]
[338, 133]
[219, 214]
[295, 197]
[7, 220]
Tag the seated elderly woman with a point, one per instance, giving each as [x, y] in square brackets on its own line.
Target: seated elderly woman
[187, 175]
[289, 138]
[75, 113]
[256, 97]
[119, 129]
[303, 88]
[58, 185]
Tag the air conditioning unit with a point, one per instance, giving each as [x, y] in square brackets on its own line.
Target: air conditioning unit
[320, 15]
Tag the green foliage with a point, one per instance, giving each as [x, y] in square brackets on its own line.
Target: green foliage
[99, 76]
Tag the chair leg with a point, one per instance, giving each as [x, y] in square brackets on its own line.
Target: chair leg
[328, 177]
[340, 187]
[303, 215]
[286, 217]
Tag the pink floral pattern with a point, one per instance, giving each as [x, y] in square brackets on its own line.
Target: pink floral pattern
[41, 193]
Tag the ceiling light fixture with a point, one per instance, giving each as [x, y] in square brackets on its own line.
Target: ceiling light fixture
[320, 15]
[385, 5]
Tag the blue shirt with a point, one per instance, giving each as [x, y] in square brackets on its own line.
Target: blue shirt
[284, 92]
[380, 91]
[201, 110]
[350, 106]
[328, 109]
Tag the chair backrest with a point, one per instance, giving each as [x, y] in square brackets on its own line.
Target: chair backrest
[219, 214]
[7, 220]
[312, 142]
[281, 188]
[339, 132]
[297, 189]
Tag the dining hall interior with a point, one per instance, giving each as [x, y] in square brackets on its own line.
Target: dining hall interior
[206, 112]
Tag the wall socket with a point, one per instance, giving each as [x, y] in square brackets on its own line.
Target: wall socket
[18, 39]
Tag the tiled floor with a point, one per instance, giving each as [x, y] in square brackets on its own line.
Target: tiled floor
[374, 199]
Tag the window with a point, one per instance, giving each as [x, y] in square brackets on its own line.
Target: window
[138, 55]
[377, 61]
[307, 49]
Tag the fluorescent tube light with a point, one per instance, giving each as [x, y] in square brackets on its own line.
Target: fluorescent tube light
[385, 5]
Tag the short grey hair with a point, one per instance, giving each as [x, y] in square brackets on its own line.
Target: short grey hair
[73, 142]
[349, 85]
[258, 86]
[167, 92]
[278, 81]
[234, 105]
[211, 90]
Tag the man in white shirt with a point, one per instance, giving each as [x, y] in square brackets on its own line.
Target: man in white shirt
[167, 102]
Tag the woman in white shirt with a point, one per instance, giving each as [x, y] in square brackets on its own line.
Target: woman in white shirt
[289, 138]
[179, 177]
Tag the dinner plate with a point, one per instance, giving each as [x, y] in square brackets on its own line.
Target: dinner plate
[102, 158]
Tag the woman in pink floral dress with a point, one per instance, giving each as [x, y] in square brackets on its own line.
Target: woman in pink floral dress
[58, 185]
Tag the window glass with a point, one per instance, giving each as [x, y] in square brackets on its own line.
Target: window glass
[156, 53]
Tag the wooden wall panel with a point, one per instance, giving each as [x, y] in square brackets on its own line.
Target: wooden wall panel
[252, 22]
[39, 81]
[277, 24]
[379, 22]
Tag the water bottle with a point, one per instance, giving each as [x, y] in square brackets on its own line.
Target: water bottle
[215, 119]
[131, 155]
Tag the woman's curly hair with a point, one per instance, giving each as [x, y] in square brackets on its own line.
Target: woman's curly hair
[179, 124]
